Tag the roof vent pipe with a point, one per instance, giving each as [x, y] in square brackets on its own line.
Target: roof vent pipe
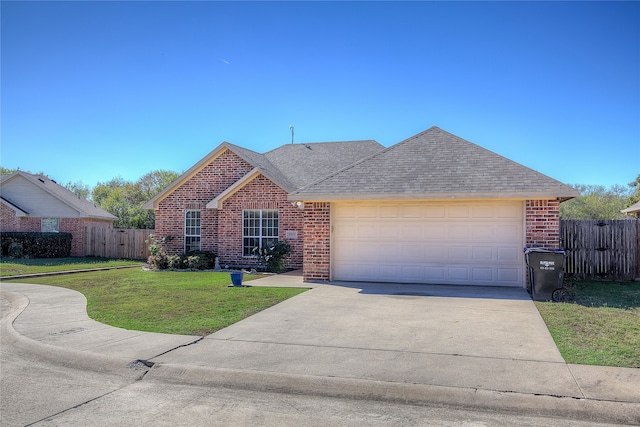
[291, 127]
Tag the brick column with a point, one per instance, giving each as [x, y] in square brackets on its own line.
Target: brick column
[317, 239]
[543, 223]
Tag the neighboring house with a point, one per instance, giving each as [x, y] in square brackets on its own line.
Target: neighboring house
[36, 203]
[433, 208]
[632, 211]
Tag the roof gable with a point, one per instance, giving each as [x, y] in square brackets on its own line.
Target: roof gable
[434, 164]
[41, 196]
[289, 167]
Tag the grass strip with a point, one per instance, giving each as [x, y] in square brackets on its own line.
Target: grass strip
[598, 325]
[18, 267]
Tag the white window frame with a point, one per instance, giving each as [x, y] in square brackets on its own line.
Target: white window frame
[192, 230]
[263, 229]
[50, 225]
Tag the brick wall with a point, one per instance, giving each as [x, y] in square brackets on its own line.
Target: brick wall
[195, 193]
[221, 230]
[75, 226]
[317, 239]
[260, 193]
[8, 219]
[542, 223]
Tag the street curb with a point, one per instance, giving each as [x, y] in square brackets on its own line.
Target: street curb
[413, 394]
[59, 356]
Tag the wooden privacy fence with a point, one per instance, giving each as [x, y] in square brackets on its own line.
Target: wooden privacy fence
[116, 243]
[601, 249]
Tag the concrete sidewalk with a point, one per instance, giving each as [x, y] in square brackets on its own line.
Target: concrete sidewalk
[421, 344]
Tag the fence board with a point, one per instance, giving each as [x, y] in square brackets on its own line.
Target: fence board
[601, 249]
[116, 243]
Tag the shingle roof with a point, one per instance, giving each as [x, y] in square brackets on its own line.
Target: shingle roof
[303, 164]
[634, 208]
[290, 166]
[434, 164]
[85, 208]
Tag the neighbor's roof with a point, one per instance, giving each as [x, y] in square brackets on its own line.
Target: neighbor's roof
[434, 164]
[634, 208]
[290, 166]
[85, 208]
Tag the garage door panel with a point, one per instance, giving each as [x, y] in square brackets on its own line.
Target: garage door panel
[412, 253]
[483, 274]
[507, 275]
[435, 232]
[459, 274]
[459, 211]
[483, 253]
[509, 232]
[508, 255]
[366, 212]
[389, 231]
[459, 254]
[459, 232]
[410, 212]
[391, 253]
[367, 231]
[483, 233]
[452, 242]
[485, 211]
[437, 211]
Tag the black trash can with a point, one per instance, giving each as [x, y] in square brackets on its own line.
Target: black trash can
[546, 273]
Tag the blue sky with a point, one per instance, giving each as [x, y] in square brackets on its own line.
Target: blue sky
[95, 90]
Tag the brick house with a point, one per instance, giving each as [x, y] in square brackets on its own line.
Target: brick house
[36, 203]
[433, 208]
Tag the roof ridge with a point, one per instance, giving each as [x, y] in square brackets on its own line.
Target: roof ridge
[352, 165]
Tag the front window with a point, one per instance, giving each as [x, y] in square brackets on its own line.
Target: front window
[50, 225]
[192, 231]
[259, 229]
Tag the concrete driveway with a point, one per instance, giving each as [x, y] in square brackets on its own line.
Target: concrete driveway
[456, 336]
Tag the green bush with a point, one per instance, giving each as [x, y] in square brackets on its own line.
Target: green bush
[35, 244]
[199, 260]
[195, 260]
[272, 256]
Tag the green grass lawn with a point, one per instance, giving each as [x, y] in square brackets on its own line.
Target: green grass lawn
[189, 303]
[15, 267]
[599, 324]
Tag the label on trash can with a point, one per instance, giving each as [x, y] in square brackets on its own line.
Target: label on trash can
[547, 265]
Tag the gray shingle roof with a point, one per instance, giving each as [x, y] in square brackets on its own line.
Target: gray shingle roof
[434, 164]
[290, 166]
[85, 208]
[303, 164]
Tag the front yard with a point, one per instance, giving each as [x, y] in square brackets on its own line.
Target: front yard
[189, 303]
[598, 325]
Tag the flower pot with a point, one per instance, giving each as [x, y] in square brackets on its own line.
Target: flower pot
[236, 278]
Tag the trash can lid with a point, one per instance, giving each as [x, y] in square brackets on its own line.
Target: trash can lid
[544, 250]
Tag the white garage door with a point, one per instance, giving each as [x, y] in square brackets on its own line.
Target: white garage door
[466, 243]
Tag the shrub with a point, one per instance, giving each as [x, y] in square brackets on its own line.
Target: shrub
[195, 260]
[36, 244]
[272, 256]
[199, 260]
[175, 262]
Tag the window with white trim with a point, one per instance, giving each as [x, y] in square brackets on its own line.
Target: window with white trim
[259, 229]
[50, 225]
[192, 231]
